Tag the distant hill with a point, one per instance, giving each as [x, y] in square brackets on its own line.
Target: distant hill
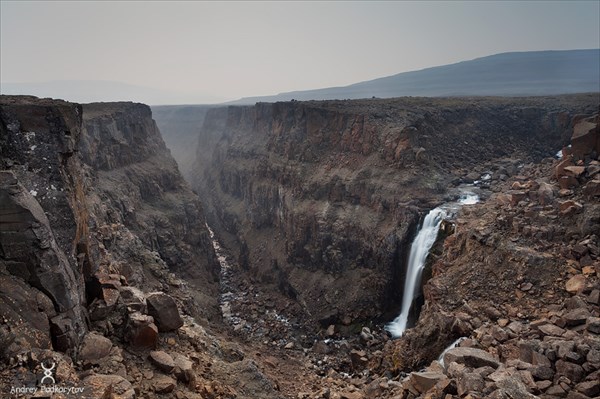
[506, 74]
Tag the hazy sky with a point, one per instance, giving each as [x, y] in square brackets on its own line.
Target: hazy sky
[234, 49]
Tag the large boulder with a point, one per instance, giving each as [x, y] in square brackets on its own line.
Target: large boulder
[471, 357]
[586, 137]
[94, 348]
[163, 361]
[141, 331]
[164, 311]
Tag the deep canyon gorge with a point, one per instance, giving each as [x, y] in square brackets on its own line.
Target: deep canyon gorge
[272, 269]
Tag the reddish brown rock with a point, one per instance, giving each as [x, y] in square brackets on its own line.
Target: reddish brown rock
[569, 207]
[575, 171]
[359, 359]
[141, 331]
[576, 317]
[576, 284]
[567, 182]
[559, 169]
[163, 384]
[586, 137]
[551, 329]
[517, 196]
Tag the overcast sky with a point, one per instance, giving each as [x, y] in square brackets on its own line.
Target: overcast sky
[205, 51]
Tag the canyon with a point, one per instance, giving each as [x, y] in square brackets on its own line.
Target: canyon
[273, 270]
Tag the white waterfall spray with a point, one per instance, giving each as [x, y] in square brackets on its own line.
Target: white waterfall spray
[451, 346]
[416, 262]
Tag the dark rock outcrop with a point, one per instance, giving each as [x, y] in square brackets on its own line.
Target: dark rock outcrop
[40, 225]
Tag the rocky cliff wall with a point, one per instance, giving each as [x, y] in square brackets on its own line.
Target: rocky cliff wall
[137, 186]
[42, 295]
[320, 199]
[90, 194]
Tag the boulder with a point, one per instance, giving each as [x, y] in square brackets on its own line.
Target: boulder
[163, 384]
[108, 386]
[470, 382]
[593, 325]
[133, 298]
[592, 188]
[551, 329]
[184, 370]
[589, 388]
[573, 372]
[542, 373]
[163, 309]
[567, 182]
[359, 359]
[586, 137]
[94, 348]
[576, 284]
[424, 381]
[471, 357]
[545, 194]
[559, 169]
[509, 383]
[141, 331]
[517, 196]
[162, 360]
[576, 317]
[575, 170]
[569, 207]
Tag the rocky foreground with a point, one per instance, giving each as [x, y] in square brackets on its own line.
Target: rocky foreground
[108, 270]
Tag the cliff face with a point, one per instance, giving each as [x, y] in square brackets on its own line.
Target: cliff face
[137, 187]
[41, 295]
[320, 199]
[89, 194]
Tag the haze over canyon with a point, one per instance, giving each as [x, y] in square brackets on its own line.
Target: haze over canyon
[406, 219]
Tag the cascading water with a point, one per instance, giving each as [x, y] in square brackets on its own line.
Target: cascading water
[451, 346]
[419, 250]
[418, 254]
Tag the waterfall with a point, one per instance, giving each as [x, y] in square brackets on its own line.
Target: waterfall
[418, 254]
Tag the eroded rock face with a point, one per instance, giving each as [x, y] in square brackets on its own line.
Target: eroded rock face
[144, 210]
[39, 227]
[93, 215]
[320, 199]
